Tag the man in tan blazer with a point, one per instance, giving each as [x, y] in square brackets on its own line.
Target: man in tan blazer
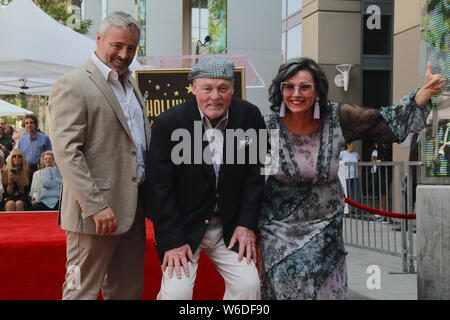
[100, 134]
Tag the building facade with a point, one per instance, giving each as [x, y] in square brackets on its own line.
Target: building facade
[379, 38]
[329, 31]
[175, 27]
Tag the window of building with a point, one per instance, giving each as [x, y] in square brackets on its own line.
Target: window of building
[293, 6]
[293, 42]
[104, 9]
[4, 3]
[376, 60]
[208, 18]
[291, 39]
[376, 92]
[436, 37]
[199, 22]
[141, 14]
[83, 9]
[289, 7]
[376, 88]
[378, 41]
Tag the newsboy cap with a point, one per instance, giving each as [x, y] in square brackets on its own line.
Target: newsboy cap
[214, 66]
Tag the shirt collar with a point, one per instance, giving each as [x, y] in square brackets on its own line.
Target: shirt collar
[220, 125]
[106, 71]
[33, 137]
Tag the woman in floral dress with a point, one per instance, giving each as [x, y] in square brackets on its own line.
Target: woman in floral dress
[302, 253]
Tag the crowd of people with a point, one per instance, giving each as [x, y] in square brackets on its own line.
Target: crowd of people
[30, 179]
[118, 171]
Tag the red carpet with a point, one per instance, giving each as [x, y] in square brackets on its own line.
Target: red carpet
[32, 261]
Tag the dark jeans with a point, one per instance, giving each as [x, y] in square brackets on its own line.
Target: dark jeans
[383, 176]
[40, 206]
[33, 168]
[353, 189]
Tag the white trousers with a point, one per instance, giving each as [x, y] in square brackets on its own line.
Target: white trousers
[241, 279]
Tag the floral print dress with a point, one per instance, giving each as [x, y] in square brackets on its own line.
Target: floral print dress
[302, 254]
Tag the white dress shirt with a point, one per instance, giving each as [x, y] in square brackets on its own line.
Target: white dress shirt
[351, 172]
[215, 139]
[131, 108]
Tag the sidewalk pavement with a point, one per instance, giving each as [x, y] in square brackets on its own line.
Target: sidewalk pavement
[394, 283]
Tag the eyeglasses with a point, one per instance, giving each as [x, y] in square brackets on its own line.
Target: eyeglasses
[17, 156]
[304, 88]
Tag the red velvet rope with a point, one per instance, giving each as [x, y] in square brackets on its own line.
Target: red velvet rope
[381, 212]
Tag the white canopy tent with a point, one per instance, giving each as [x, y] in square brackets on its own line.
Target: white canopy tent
[36, 50]
[8, 109]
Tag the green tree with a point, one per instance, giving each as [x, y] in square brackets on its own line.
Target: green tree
[217, 25]
[58, 10]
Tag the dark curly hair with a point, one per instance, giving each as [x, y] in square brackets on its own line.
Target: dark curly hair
[289, 69]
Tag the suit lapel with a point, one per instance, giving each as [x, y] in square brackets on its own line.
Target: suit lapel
[209, 168]
[103, 86]
[144, 111]
[230, 125]
[194, 115]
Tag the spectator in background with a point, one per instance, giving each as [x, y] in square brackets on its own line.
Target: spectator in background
[16, 182]
[33, 143]
[9, 130]
[414, 156]
[351, 172]
[46, 185]
[16, 136]
[375, 176]
[374, 156]
[6, 141]
[2, 164]
[381, 175]
[47, 160]
[2, 124]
